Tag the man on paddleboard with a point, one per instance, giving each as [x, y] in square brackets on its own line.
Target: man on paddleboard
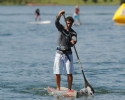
[37, 14]
[67, 38]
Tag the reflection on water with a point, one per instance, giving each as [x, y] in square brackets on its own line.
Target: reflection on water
[71, 98]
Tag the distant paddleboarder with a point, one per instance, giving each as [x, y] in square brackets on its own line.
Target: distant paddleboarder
[37, 15]
[76, 16]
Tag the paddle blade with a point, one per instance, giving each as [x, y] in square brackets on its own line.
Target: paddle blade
[86, 83]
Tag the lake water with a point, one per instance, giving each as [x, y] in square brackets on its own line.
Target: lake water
[27, 53]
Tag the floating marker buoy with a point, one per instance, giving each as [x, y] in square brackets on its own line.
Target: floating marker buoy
[119, 15]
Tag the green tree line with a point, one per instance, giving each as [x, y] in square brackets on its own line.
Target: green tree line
[23, 2]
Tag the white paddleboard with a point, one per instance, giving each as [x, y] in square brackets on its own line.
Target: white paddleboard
[40, 22]
[76, 24]
[64, 92]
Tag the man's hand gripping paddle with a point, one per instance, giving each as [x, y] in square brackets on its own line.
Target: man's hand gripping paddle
[86, 83]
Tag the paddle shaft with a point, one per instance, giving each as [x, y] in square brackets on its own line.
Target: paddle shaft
[76, 52]
[79, 62]
[85, 80]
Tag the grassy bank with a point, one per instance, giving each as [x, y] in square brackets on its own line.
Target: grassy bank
[58, 2]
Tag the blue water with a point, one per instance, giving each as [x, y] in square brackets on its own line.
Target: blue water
[27, 53]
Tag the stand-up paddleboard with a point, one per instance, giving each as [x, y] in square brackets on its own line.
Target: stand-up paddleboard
[64, 92]
[40, 22]
[76, 24]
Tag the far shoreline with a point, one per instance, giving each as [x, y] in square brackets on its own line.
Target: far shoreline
[60, 5]
[57, 4]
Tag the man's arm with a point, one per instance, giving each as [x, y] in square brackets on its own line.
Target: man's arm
[57, 23]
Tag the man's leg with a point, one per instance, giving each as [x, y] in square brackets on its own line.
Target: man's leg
[39, 18]
[69, 79]
[57, 79]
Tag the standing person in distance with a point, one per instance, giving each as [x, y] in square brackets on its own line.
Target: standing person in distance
[76, 15]
[37, 15]
[67, 38]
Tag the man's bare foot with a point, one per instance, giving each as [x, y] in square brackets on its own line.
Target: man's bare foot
[58, 89]
[70, 90]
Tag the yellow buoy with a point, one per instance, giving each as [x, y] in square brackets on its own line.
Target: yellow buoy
[119, 15]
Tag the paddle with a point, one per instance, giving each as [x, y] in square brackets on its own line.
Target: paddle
[86, 83]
